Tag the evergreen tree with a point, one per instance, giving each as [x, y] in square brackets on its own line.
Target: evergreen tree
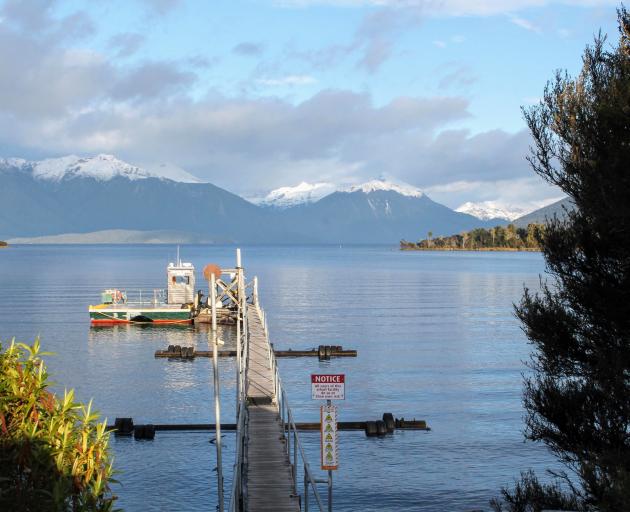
[578, 397]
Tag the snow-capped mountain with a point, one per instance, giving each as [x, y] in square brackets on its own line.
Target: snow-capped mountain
[487, 210]
[403, 189]
[100, 167]
[102, 194]
[304, 193]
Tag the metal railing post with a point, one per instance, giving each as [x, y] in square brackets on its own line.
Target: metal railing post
[295, 462]
[217, 402]
[288, 441]
[305, 489]
[330, 489]
[255, 292]
[238, 359]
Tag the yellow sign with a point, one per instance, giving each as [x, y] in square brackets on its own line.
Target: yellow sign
[329, 455]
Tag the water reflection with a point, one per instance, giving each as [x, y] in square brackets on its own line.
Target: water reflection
[436, 339]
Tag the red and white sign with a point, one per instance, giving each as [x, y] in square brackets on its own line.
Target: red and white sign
[328, 387]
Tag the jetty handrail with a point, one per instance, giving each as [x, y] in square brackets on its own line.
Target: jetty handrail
[237, 475]
[237, 497]
[289, 429]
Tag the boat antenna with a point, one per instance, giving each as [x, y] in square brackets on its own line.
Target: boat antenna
[179, 264]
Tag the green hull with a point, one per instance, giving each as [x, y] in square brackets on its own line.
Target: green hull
[139, 315]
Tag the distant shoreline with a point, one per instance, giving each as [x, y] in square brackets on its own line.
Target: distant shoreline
[480, 249]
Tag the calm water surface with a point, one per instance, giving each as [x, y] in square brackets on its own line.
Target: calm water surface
[435, 332]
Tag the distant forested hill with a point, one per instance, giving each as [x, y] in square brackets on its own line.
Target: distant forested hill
[499, 238]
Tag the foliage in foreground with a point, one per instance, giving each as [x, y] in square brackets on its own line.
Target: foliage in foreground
[577, 400]
[529, 495]
[53, 454]
[499, 237]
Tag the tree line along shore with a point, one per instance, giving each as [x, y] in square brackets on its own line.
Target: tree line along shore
[499, 238]
[3, 244]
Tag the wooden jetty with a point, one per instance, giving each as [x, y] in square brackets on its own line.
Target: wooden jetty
[268, 449]
[269, 475]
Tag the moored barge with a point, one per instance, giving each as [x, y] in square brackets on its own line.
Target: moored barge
[176, 306]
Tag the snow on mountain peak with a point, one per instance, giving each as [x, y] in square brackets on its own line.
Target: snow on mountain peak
[10, 163]
[285, 197]
[172, 172]
[487, 210]
[384, 185]
[101, 167]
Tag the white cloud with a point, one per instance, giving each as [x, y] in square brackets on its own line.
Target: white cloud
[456, 76]
[439, 44]
[529, 193]
[372, 44]
[451, 7]
[524, 23]
[531, 100]
[289, 80]
[57, 98]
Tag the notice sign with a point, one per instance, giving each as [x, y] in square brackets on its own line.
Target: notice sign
[328, 387]
[330, 459]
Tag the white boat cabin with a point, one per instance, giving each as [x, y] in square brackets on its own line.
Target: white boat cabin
[181, 283]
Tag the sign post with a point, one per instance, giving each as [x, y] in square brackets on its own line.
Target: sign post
[329, 388]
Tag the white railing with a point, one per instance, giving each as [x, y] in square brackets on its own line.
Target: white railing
[294, 449]
[140, 297]
[237, 496]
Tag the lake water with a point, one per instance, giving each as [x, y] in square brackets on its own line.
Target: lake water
[436, 337]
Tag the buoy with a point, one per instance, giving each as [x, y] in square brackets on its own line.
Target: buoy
[144, 432]
[370, 428]
[381, 429]
[210, 269]
[149, 431]
[388, 418]
[123, 426]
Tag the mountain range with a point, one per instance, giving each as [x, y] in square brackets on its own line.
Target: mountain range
[103, 199]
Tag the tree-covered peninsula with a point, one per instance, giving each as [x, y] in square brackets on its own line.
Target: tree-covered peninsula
[499, 238]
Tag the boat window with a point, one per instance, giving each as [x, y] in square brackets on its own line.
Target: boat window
[181, 279]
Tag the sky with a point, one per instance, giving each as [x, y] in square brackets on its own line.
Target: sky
[252, 95]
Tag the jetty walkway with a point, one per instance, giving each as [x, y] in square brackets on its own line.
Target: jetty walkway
[269, 473]
[268, 449]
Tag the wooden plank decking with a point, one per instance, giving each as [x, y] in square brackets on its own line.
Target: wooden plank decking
[269, 483]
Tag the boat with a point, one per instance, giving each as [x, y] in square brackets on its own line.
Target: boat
[175, 305]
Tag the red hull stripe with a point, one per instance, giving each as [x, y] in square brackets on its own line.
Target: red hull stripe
[108, 321]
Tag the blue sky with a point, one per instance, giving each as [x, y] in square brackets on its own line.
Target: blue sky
[253, 95]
